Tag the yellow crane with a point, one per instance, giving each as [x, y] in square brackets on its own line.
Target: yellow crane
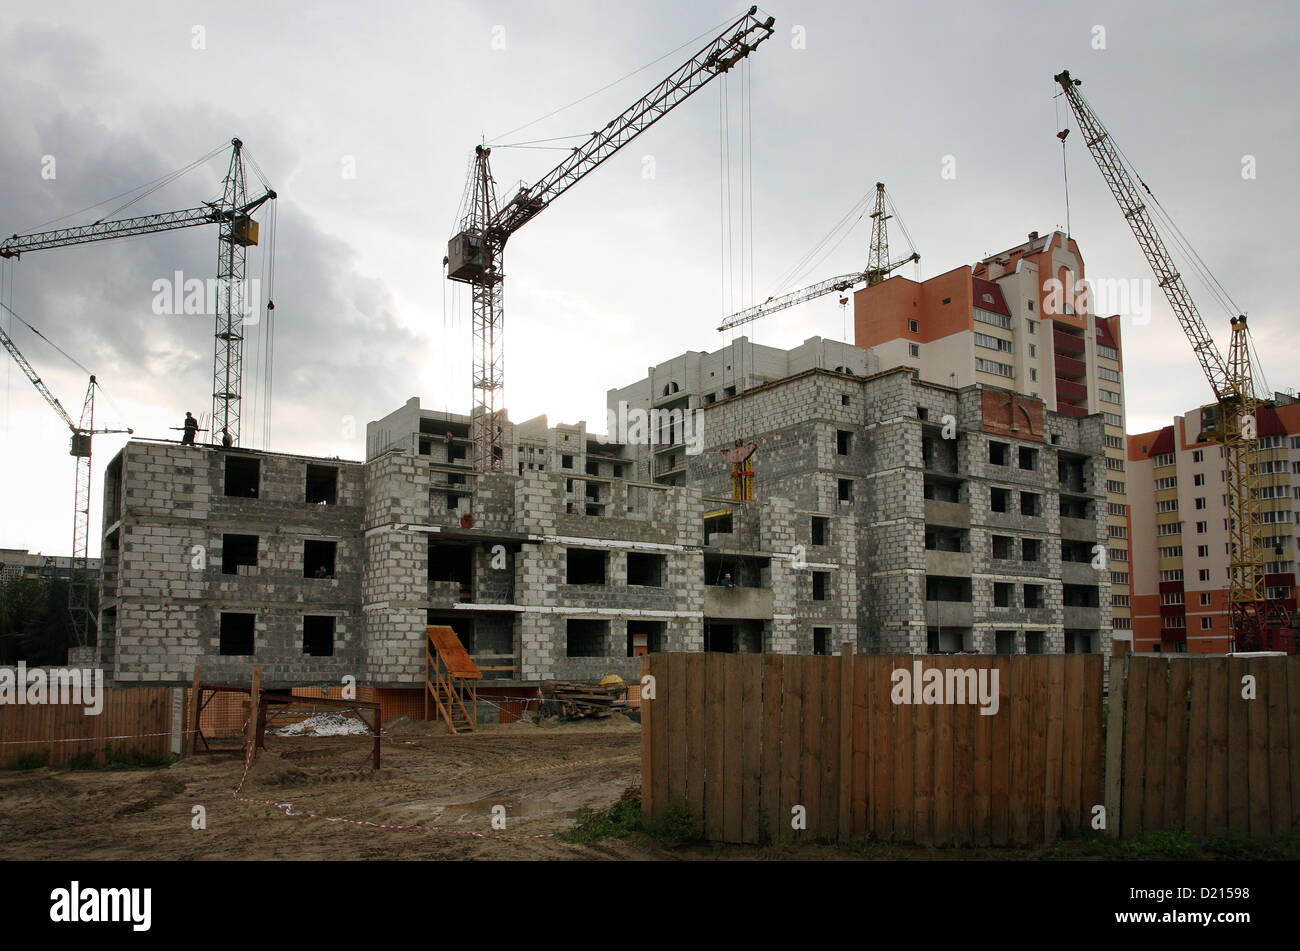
[1254, 617]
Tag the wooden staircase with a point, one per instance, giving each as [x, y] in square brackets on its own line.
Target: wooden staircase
[450, 680]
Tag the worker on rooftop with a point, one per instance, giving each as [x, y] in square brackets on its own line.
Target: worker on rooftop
[226, 439]
[191, 427]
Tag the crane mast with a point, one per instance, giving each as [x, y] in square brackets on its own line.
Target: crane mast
[1233, 383]
[475, 253]
[878, 268]
[232, 213]
[79, 608]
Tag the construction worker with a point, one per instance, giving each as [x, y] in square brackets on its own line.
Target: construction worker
[225, 438]
[191, 427]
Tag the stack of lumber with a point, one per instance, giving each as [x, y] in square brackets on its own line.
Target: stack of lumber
[572, 700]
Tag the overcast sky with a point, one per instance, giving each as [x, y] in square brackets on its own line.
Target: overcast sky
[363, 118]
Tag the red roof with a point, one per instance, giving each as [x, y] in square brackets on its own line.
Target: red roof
[1104, 336]
[1163, 444]
[980, 288]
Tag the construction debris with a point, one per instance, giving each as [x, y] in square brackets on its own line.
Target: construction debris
[572, 700]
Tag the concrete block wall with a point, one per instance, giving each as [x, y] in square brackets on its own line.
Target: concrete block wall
[163, 616]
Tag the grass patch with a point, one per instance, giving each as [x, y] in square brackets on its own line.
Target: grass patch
[31, 760]
[625, 817]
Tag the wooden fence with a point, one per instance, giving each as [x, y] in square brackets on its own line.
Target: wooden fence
[1194, 753]
[743, 740]
[60, 731]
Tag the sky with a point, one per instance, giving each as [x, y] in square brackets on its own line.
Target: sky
[363, 118]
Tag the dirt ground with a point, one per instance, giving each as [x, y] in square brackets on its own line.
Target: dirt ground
[542, 775]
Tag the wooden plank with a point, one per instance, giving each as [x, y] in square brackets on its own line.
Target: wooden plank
[1176, 728]
[1153, 804]
[923, 761]
[830, 777]
[1238, 750]
[847, 717]
[1000, 748]
[810, 785]
[1072, 728]
[697, 675]
[791, 744]
[1116, 701]
[963, 753]
[254, 695]
[733, 774]
[663, 702]
[1052, 787]
[648, 750]
[1021, 737]
[676, 789]
[192, 715]
[1293, 734]
[1279, 780]
[1197, 745]
[943, 755]
[714, 707]
[981, 758]
[860, 759]
[1135, 708]
[751, 680]
[1216, 769]
[1094, 726]
[893, 753]
[770, 802]
[1037, 765]
[1257, 748]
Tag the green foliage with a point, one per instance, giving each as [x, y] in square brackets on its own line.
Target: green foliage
[35, 625]
[31, 760]
[624, 817]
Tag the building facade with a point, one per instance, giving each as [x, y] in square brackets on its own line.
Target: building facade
[1020, 320]
[1179, 512]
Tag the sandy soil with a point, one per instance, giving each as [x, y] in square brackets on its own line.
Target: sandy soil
[541, 774]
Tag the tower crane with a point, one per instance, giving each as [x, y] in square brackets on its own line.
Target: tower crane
[475, 252]
[1251, 613]
[83, 618]
[878, 268]
[232, 213]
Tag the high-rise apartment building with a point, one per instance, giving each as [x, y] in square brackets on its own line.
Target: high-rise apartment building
[1179, 512]
[1019, 320]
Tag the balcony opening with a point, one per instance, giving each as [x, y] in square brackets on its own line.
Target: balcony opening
[1003, 546]
[585, 566]
[821, 530]
[821, 640]
[237, 551]
[1034, 642]
[846, 490]
[1004, 642]
[1034, 596]
[843, 442]
[1003, 594]
[1031, 504]
[998, 453]
[322, 485]
[450, 563]
[1028, 458]
[1031, 549]
[646, 570]
[586, 638]
[318, 559]
[318, 635]
[947, 588]
[646, 637]
[1000, 500]
[820, 580]
[243, 476]
[237, 634]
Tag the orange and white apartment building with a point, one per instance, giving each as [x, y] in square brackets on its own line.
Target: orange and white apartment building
[1020, 321]
[1179, 511]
